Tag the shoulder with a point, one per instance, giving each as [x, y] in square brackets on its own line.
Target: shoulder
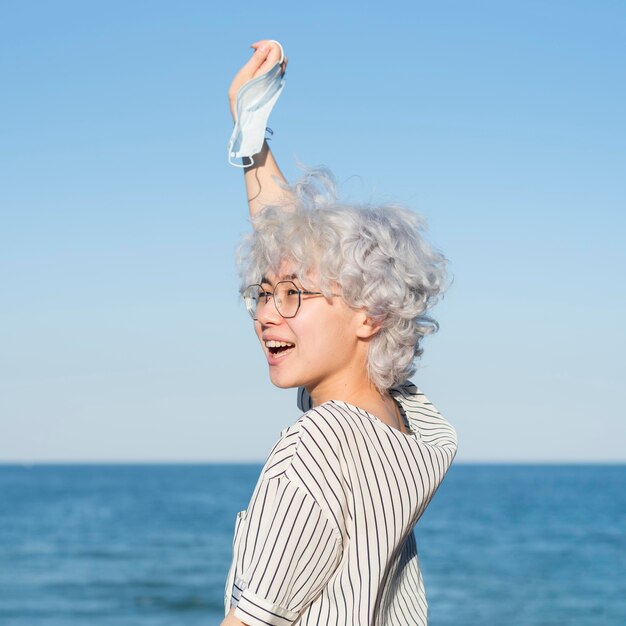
[423, 417]
[323, 426]
[317, 437]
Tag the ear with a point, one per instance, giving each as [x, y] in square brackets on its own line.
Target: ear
[367, 327]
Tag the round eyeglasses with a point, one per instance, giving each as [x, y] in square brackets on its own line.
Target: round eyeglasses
[286, 295]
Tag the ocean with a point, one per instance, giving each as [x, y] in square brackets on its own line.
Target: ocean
[150, 545]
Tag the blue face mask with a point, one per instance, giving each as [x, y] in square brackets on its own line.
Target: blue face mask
[255, 101]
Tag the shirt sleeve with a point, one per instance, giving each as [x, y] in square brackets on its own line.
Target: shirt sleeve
[291, 550]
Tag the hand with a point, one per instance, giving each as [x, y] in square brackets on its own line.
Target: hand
[266, 55]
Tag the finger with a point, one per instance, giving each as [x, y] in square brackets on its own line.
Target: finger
[273, 56]
[248, 71]
[257, 60]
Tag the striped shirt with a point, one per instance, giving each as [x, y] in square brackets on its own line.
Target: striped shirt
[328, 535]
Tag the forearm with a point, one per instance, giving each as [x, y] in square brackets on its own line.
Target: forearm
[231, 620]
[263, 182]
[263, 179]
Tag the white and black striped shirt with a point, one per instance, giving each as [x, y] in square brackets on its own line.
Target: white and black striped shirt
[328, 535]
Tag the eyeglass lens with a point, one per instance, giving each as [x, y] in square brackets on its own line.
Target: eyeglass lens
[286, 296]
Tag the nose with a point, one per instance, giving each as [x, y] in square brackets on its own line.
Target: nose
[267, 313]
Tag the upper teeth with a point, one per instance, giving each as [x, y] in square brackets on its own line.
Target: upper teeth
[277, 344]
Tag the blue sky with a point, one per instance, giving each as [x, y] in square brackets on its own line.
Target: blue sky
[121, 334]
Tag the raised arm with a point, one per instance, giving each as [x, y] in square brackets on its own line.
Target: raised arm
[261, 178]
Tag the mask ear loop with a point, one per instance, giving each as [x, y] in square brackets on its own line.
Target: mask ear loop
[230, 145]
[234, 163]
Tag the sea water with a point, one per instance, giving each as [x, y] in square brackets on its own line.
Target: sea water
[150, 545]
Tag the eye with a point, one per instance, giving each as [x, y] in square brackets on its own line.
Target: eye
[261, 294]
[293, 292]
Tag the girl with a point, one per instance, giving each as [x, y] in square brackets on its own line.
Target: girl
[338, 295]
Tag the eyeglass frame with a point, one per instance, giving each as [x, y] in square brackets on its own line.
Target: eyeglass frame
[301, 292]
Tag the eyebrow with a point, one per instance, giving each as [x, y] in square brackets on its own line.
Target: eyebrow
[266, 281]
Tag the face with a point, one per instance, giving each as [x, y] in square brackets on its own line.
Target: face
[321, 348]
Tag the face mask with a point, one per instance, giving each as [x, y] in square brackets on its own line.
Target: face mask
[255, 101]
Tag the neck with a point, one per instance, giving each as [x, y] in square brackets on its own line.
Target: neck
[347, 388]
[364, 395]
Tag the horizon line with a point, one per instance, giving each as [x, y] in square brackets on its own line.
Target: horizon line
[30, 462]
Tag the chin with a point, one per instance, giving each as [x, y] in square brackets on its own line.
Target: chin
[282, 383]
[285, 385]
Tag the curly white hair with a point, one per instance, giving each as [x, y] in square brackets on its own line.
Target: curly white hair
[376, 255]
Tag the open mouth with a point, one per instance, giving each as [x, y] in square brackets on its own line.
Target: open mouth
[277, 348]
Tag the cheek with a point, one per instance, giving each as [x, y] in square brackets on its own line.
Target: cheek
[328, 334]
